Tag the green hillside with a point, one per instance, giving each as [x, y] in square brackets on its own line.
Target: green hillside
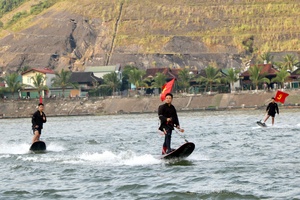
[148, 26]
[272, 23]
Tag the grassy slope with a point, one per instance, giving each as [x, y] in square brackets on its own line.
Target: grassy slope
[273, 23]
[153, 23]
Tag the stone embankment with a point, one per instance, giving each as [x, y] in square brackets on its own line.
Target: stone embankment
[117, 105]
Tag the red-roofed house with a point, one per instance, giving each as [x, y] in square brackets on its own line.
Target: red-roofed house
[27, 76]
[267, 69]
[170, 73]
[151, 72]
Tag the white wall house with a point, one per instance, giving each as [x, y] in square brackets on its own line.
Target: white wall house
[27, 78]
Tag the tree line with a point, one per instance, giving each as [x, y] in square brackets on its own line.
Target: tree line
[131, 75]
[8, 5]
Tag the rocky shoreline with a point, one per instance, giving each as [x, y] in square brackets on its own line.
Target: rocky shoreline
[138, 105]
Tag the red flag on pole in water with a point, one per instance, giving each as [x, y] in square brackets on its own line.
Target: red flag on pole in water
[166, 88]
[280, 96]
[41, 99]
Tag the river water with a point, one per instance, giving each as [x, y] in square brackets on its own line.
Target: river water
[117, 157]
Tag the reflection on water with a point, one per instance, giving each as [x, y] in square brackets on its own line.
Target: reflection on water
[179, 162]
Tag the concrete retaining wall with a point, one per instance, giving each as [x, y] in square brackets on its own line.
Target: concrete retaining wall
[117, 105]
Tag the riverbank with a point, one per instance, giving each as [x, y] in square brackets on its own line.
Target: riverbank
[133, 105]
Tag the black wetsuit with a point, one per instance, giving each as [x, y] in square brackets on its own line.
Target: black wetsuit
[167, 111]
[272, 108]
[37, 119]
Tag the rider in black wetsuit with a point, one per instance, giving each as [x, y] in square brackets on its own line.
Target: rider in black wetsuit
[168, 120]
[38, 118]
[272, 108]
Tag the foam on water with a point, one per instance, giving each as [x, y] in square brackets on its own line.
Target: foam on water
[277, 126]
[4, 156]
[196, 156]
[14, 148]
[44, 159]
[233, 159]
[128, 158]
[56, 147]
[23, 148]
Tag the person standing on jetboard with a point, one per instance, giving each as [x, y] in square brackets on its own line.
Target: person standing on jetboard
[272, 108]
[38, 118]
[168, 120]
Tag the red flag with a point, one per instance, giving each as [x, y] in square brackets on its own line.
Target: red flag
[280, 96]
[166, 88]
[41, 99]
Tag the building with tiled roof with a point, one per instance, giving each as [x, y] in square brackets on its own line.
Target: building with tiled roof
[151, 72]
[85, 78]
[268, 70]
[294, 78]
[169, 72]
[85, 81]
[29, 74]
[27, 80]
[100, 71]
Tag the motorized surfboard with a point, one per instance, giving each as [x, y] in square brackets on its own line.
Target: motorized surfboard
[38, 146]
[182, 152]
[259, 123]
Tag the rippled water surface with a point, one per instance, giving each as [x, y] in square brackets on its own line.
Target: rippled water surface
[117, 157]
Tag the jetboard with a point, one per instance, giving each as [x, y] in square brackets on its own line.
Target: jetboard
[38, 146]
[182, 152]
[259, 123]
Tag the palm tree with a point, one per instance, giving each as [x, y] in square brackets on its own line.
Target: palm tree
[266, 57]
[24, 69]
[1, 92]
[289, 62]
[127, 69]
[281, 77]
[112, 81]
[95, 90]
[232, 77]
[62, 80]
[125, 77]
[159, 80]
[12, 82]
[1, 88]
[213, 75]
[184, 78]
[256, 77]
[38, 82]
[135, 77]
